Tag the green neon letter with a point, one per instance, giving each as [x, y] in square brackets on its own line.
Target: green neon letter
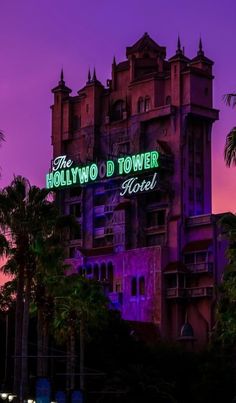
[121, 163]
[84, 174]
[110, 168]
[137, 162]
[49, 180]
[128, 165]
[154, 159]
[93, 172]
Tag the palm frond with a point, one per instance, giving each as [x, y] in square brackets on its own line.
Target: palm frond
[230, 99]
[230, 148]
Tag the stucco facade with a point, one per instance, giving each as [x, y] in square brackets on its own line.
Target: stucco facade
[158, 252]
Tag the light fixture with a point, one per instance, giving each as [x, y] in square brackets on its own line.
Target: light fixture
[11, 397]
[30, 400]
[4, 395]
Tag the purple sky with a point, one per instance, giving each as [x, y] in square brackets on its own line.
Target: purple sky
[37, 38]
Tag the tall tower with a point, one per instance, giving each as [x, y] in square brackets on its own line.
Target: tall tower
[157, 252]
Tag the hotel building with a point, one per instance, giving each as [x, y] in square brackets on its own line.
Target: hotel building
[157, 251]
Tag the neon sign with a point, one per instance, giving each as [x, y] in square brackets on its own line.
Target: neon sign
[65, 173]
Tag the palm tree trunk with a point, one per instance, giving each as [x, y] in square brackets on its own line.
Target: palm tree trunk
[72, 358]
[45, 347]
[82, 337]
[18, 331]
[39, 342]
[25, 331]
[68, 367]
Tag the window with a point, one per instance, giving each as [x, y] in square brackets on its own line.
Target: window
[75, 233]
[124, 148]
[189, 258]
[99, 222]
[75, 192]
[72, 252]
[155, 239]
[76, 123]
[156, 218]
[75, 210]
[117, 110]
[199, 195]
[206, 91]
[147, 105]
[133, 287]
[201, 257]
[168, 100]
[141, 285]
[190, 194]
[140, 105]
[99, 199]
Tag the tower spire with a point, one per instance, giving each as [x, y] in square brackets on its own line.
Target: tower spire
[62, 82]
[89, 76]
[179, 50]
[114, 60]
[200, 48]
[94, 75]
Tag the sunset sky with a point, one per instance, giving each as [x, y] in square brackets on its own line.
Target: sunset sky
[37, 38]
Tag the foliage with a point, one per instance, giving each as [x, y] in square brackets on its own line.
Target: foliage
[230, 143]
[225, 329]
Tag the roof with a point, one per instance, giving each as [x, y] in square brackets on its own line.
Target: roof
[122, 66]
[195, 246]
[176, 266]
[105, 250]
[145, 42]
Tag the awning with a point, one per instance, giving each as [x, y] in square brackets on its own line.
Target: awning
[196, 246]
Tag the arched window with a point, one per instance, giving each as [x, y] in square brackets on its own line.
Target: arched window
[110, 276]
[147, 104]
[168, 100]
[117, 110]
[133, 287]
[96, 272]
[103, 274]
[140, 105]
[88, 270]
[79, 270]
[142, 285]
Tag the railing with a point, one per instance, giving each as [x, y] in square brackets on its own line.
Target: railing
[196, 292]
[199, 292]
[199, 220]
[109, 208]
[175, 292]
[99, 232]
[99, 210]
[205, 267]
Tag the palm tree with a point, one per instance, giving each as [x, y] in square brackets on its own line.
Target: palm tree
[79, 302]
[26, 215]
[230, 143]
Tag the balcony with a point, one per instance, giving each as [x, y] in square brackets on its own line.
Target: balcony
[205, 267]
[99, 232]
[195, 221]
[196, 292]
[199, 292]
[109, 209]
[173, 293]
[99, 210]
